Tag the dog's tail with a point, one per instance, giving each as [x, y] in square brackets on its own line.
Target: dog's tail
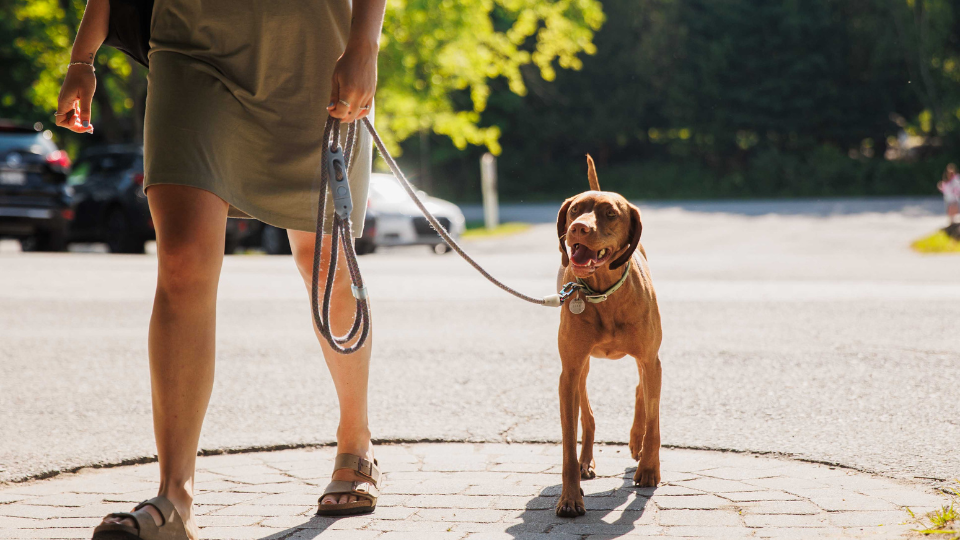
[592, 174]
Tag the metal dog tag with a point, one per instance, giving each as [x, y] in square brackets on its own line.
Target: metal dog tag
[577, 305]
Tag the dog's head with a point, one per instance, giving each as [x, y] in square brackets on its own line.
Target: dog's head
[597, 229]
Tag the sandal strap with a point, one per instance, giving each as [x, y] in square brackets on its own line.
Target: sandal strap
[364, 467]
[163, 505]
[366, 490]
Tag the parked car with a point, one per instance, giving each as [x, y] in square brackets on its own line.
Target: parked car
[108, 202]
[399, 221]
[34, 197]
[252, 234]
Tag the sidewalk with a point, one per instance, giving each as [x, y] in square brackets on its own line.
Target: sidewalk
[497, 491]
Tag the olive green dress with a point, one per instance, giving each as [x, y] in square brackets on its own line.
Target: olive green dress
[236, 104]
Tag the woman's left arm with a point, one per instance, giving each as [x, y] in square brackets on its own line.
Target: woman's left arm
[355, 76]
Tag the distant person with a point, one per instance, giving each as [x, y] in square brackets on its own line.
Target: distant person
[950, 186]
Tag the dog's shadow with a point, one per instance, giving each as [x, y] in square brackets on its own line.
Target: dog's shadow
[614, 512]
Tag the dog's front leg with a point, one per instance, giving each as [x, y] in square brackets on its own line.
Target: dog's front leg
[589, 425]
[648, 469]
[571, 498]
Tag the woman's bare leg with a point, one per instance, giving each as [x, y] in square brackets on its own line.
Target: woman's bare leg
[190, 225]
[350, 373]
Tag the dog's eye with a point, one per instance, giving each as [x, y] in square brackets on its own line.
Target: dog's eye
[574, 209]
[611, 214]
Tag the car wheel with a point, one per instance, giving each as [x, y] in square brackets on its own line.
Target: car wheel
[440, 249]
[275, 241]
[230, 243]
[45, 241]
[364, 247]
[119, 237]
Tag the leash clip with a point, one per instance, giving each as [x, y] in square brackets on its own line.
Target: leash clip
[339, 183]
[568, 290]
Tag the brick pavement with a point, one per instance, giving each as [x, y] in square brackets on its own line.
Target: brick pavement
[477, 491]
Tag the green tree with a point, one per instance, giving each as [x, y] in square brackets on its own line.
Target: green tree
[433, 52]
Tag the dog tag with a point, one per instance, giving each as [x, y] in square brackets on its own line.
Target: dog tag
[577, 305]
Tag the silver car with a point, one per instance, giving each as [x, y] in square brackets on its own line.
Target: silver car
[399, 221]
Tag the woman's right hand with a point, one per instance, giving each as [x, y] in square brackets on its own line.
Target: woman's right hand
[76, 96]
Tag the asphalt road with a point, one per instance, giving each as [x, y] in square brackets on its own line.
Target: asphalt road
[812, 332]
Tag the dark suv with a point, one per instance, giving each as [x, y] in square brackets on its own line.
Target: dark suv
[108, 201]
[34, 196]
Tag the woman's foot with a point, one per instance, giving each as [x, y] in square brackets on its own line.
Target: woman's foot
[362, 448]
[184, 506]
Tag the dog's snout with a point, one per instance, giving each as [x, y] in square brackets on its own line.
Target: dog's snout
[579, 230]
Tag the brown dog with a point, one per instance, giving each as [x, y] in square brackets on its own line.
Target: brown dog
[600, 240]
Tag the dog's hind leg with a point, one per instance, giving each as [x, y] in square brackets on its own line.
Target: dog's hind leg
[587, 463]
[648, 470]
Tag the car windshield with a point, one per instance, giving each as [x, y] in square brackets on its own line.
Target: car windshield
[21, 141]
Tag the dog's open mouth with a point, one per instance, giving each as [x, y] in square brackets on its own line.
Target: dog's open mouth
[588, 259]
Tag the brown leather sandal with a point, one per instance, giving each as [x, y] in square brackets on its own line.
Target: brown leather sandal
[367, 492]
[172, 527]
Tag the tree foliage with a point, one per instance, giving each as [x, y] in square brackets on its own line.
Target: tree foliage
[695, 98]
[437, 58]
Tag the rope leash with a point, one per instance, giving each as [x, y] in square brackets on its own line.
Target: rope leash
[335, 167]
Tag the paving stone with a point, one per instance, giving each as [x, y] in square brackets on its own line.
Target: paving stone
[717, 485]
[488, 491]
[785, 520]
[333, 535]
[446, 535]
[522, 503]
[690, 502]
[521, 536]
[700, 518]
[852, 502]
[737, 473]
[708, 532]
[450, 501]
[868, 519]
[807, 533]
[238, 533]
[411, 525]
[461, 514]
[779, 507]
[768, 495]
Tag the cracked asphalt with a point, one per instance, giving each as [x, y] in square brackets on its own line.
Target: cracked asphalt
[807, 329]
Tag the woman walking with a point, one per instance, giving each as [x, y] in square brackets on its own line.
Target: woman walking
[238, 93]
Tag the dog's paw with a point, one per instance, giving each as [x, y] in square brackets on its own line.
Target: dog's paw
[571, 506]
[588, 470]
[647, 476]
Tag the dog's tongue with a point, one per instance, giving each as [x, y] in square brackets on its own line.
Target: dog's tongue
[582, 254]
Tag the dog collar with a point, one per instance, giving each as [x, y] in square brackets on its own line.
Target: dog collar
[595, 297]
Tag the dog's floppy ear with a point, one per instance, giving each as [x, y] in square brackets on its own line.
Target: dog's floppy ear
[562, 230]
[592, 174]
[635, 228]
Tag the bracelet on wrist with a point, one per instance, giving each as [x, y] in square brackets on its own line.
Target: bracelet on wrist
[88, 64]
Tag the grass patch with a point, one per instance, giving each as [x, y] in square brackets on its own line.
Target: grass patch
[477, 230]
[938, 242]
[944, 522]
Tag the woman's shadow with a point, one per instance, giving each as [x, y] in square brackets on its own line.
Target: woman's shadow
[623, 505]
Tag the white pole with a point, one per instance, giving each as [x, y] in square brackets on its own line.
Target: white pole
[488, 183]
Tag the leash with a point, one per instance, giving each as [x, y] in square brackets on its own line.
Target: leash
[334, 164]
